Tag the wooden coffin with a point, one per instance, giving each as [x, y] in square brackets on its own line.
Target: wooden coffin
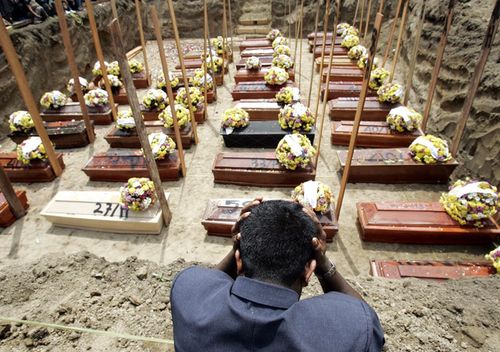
[257, 169]
[153, 115]
[338, 61]
[63, 134]
[434, 270]
[374, 134]
[344, 74]
[7, 218]
[255, 43]
[418, 223]
[257, 90]
[196, 54]
[72, 111]
[120, 165]
[257, 52]
[319, 42]
[121, 98]
[394, 166]
[192, 64]
[337, 51]
[121, 139]
[344, 108]
[259, 134]
[259, 109]
[141, 80]
[221, 214]
[101, 211]
[36, 171]
[244, 75]
[266, 61]
[313, 35]
[345, 89]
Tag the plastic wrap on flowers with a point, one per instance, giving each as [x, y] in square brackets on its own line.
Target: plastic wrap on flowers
[195, 94]
[315, 195]
[214, 64]
[135, 66]
[429, 150]
[403, 119]
[349, 41]
[155, 99]
[356, 52]
[53, 100]
[279, 41]
[378, 77]
[494, 257]
[96, 70]
[125, 121]
[198, 80]
[295, 150]
[276, 76]
[114, 69]
[21, 121]
[363, 61]
[350, 31]
[342, 27]
[138, 194]
[253, 63]
[273, 34]
[84, 84]
[390, 92]
[181, 112]
[282, 50]
[161, 145]
[287, 95]
[234, 118]
[161, 84]
[471, 202]
[96, 98]
[31, 149]
[114, 82]
[296, 117]
[283, 61]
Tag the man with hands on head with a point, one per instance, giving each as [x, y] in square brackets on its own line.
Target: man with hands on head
[250, 302]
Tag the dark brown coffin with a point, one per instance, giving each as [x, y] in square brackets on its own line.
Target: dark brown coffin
[418, 223]
[344, 74]
[120, 139]
[257, 90]
[192, 64]
[72, 111]
[337, 51]
[121, 98]
[345, 89]
[345, 109]
[141, 80]
[120, 165]
[257, 52]
[152, 115]
[7, 218]
[313, 35]
[221, 214]
[319, 42]
[394, 166]
[64, 134]
[430, 269]
[260, 109]
[36, 171]
[259, 43]
[338, 61]
[259, 134]
[244, 75]
[266, 61]
[374, 134]
[257, 169]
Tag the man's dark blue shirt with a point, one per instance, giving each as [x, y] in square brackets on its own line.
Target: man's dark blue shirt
[213, 312]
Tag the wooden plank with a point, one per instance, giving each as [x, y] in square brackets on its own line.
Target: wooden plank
[257, 90]
[319, 41]
[345, 89]
[244, 75]
[265, 61]
[338, 62]
[418, 223]
[313, 35]
[72, 111]
[257, 52]
[36, 171]
[344, 74]
[221, 214]
[7, 217]
[344, 108]
[254, 43]
[257, 169]
[337, 51]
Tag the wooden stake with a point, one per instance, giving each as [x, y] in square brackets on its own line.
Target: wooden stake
[289, 23]
[361, 16]
[414, 54]
[368, 13]
[10, 195]
[381, 7]
[100, 56]
[391, 33]
[437, 65]
[224, 36]
[357, 118]
[323, 45]
[141, 36]
[355, 14]
[205, 56]
[400, 38]
[173, 17]
[121, 55]
[297, 25]
[207, 36]
[29, 101]
[318, 7]
[170, 93]
[476, 77]
[74, 69]
[231, 28]
[301, 40]
[114, 12]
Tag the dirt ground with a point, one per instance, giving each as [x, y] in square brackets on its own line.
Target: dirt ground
[41, 277]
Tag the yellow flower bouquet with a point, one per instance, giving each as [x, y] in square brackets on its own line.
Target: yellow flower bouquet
[350, 31]
[161, 145]
[314, 194]
[296, 117]
[135, 66]
[349, 41]
[214, 64]
[234, 118]
[53, 100]
[403, 119]
[273, 34]
[155, 99]
[494, 257]
[295, 150]
[282, 50]
[70, 86]
[161, 84]
[96, 70]
[279, 41]
[390, 92]
[378, 77]
[276, 76]
[195, 94]
[21, 121]
[31, 149]
[253, 63]
[138, 194]
[198, 80]
[287, 95]
[342, 27]
[114, 69]
[429, 150]
[283, 61]
[114, 82]
[356, 52]
[96, 98]
[125, 121]
[181, 112]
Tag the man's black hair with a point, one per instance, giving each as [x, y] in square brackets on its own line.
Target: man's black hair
[276, 242]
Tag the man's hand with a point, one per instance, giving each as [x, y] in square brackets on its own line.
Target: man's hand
[323, 264]
[245, 213]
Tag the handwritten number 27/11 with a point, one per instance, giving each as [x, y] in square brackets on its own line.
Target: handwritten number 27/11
[110, 210]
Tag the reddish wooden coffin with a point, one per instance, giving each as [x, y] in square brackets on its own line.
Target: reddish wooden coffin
[255, 43]
[344, 108]
[374, 134]
[72, 111]
[257, 52]
[313, 35]
[64, 134]
[141, 80]
[192, 64]
[266, 61]
[337, 51]
[434, 270]
[338, 61]
[257, 90]
[121, 139]
[221, 214]
[120, 165]
[196, 54]
[394, 166]
[259, 109]
[257, 169]
[36, 171]
[319, 42]
[7, 218]
[345, 89]
[344, 74]
[121, 98]
[244, 75]
[418, 223]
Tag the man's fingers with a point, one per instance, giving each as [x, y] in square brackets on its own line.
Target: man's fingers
[236, 226]
[251, 205]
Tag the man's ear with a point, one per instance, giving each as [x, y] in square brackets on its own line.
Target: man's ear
[239, 262]
[309, 271]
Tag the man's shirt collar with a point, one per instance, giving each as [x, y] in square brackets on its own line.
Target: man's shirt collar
[264, 293]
